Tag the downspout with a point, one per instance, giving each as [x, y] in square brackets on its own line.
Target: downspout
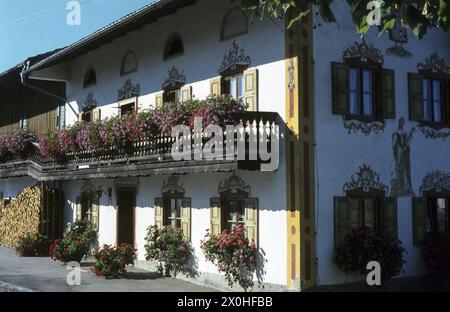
[23, 80]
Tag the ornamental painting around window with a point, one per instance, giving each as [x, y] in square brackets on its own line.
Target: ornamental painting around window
[429, 97]
[363, 92]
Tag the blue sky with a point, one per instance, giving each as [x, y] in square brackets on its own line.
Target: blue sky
[30, 27]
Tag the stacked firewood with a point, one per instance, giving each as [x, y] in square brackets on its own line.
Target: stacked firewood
[20, 217]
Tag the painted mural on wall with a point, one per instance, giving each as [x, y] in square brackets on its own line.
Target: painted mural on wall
[366, 128]
[401, 176]
[365, 179]
[436, 181]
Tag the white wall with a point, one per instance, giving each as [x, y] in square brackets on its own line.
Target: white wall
[202, 58]
[339, 154]
[11, 187]
[200, 188]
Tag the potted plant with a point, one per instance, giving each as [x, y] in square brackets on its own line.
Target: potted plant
[111, 261]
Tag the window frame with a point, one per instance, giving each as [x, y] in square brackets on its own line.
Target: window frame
[170, 40]
[445, 102]
[88, 112]
[167, 207]
[224, 24]
[87, 84]
[433, 195]
[130, 53]
[377, 109]
[226, 82]
[225, 198]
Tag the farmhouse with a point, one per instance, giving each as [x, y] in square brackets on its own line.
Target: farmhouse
[362, 127]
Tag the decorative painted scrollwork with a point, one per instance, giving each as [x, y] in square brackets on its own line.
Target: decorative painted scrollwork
[291, 71]
[434, 134]
[436, 181]
[234, 58]
[174, 78]
[233, 185]
[354, 126]
[90, 102]
[365, 179]
[364, 51]
[172, 185]
[435, 64]
[128, 90]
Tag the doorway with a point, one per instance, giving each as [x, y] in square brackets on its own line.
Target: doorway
[126, 203]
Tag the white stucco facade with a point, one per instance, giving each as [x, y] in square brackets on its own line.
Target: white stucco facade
[339, 153]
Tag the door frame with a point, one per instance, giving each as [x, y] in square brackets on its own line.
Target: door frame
[126, 189]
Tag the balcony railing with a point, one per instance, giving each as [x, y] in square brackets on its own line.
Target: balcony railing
[153, 155]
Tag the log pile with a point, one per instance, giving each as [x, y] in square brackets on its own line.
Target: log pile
[20, 217]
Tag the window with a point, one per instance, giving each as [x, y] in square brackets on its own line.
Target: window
[363, 91]
[90, 78]
[23, 122]
[87, 207]
[172, 96]
[61, 116]
[234, 24]
[173, 209]
[364, 209]
[234, 86]
[129, 63]
[87, 116]
[434, 100]
[127, 109]
[430, 215]
[234, 207]
[174, 46]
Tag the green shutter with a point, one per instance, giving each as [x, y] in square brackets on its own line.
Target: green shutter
[340, 85]
[419, 219]
[251, 219]
[216, 216]
[447, 108]
[388, 93]
[415, 95]
[342, 225]
[388, 216]
[186, 217]
[159, 212]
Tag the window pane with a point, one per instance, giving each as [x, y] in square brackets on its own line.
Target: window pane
[177, 96]
[437, 108]
[426, 100]
[441, 215]
[241, 211]
[367, 92]
[354, 94]
[355, 213]
[369, 212]
[240, 86]
[233, 87]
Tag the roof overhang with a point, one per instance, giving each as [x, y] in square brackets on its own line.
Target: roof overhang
[131, 22]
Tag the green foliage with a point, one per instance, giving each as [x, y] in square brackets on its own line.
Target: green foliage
[76, 243]
[170, 250]
[418, 15]
[33, 246]
[111, 262]
[233, 255]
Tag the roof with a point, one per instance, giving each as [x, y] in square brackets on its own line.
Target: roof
[32, 61]
[133, 21]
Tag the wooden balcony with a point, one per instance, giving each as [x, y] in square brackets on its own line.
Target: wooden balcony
[152, 156]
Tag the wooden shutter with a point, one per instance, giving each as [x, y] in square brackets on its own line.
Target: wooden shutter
[95, 212]
[159, 212]
[447, 107]
[78, 212]
[251, 89]
[341, 88]
[186, 217]
[96, 115]
[419, 219]
[80, 116]
[342, 226]
[415, 95]
[159, 99]
[186, 93]
[388, 216]
[388, 93]
[216, 86]
[216, 216]
[251, 219]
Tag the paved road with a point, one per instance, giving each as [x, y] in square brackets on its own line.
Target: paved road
[43, 274]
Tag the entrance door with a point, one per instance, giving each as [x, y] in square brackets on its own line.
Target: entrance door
[126, 202]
